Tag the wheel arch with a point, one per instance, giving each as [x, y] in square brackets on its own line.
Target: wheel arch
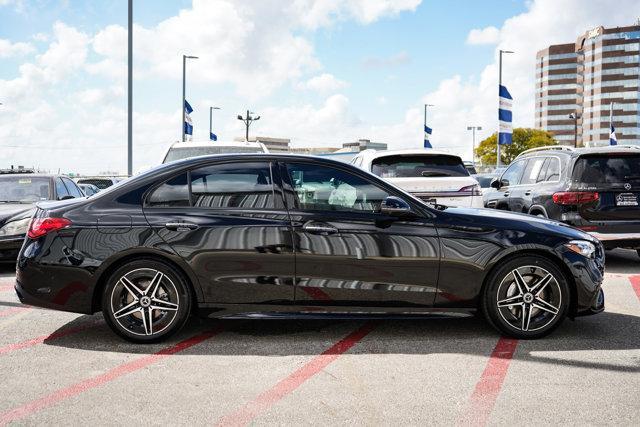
[538, 208]
[116, 262]
[549, 256]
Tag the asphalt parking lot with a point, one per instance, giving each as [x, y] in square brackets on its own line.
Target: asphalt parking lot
[66, 369]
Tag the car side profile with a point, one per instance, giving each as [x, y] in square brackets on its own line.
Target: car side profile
[274, 235]
[593, 189]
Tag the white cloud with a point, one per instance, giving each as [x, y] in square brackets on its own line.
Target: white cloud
[323, 83]
[487, 35]
[394, 60]
[8, 49]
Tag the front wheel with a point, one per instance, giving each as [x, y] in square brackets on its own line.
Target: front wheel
[146, 301]
[527, 297]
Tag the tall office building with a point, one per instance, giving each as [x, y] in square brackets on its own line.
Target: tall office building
[576, 84]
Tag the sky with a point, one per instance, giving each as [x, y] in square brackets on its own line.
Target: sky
[321, 72]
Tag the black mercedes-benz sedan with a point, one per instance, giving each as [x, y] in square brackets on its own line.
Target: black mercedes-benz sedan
[274, 235]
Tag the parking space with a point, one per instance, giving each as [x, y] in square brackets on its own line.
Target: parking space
[64, 369]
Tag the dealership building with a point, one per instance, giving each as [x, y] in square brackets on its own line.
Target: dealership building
[576, 83]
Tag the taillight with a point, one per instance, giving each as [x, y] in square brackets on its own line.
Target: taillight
[42, 226]
[473, 189]
[575, 197]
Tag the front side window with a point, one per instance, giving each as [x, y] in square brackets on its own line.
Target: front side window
[330, 189]
[233, 185]
[512, 175]
[412, 166]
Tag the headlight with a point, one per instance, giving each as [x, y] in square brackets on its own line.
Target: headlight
[582, 247]
[14, 228]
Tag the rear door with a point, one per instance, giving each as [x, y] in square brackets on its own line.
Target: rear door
[228, 222]
[616, 179]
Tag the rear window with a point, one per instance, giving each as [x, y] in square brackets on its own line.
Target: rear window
[24, 189]
[418, 166]
[101, 183]
[607, 169]
[178, 153]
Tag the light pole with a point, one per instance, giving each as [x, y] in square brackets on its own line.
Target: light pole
[500, 84]
[247, 122]
[575, 116]
[473, 145]
[211, 120]
[184, 72]
[130, 90]
[425, 119]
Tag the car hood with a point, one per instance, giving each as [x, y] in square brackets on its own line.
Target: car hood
[498, 219]
[18, 210]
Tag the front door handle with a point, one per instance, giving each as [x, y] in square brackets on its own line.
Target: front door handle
[180, 226]
[528, 193]
[506, 194]
[319, 228]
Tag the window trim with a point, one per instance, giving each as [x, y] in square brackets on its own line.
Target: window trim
[560, 170]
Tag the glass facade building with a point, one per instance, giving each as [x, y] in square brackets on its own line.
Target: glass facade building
[583, 79]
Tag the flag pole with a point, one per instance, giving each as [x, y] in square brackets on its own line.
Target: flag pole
[499, 85]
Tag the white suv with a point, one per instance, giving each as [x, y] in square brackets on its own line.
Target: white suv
[432, 176]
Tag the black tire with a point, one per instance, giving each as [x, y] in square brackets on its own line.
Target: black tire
[138, 312]
[527, 308]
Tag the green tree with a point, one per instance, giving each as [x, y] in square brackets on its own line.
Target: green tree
[523, 139]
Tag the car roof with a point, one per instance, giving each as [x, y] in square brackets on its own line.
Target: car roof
[374, 154]
[34, 175]
[189, 144]
[576, 152]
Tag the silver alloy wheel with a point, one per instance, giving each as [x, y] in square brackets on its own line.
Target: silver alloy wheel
[144, 301]
[529, 298]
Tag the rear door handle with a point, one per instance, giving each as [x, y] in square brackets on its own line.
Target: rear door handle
[319, 228]
[528, 193]
[506, 194]
[181, 226]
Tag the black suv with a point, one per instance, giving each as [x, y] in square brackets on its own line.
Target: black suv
[594, 189]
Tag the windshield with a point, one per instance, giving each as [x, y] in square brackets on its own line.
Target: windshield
[177, 153]
[607, 169]
[411, 166]
[21, 189]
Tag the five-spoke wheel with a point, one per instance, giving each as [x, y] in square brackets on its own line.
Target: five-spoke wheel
[526, 297]
[145, 301]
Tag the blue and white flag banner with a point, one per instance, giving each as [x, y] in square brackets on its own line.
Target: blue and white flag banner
[427, 135]
[188, 124]
[213, 136]
[613, 140]
[505, 116]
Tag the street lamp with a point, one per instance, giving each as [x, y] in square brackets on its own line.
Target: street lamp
[247, 122]
[473, 146]
[500, 84]
[211, 120]
[575, 116]
[184, 72]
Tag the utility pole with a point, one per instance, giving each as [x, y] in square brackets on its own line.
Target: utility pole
[130, 90]
[500, 84]
[211, 119]
[473, 145]
[247, 122]
[184, 85]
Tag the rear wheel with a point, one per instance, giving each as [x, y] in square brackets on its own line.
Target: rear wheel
[146, 301]
[527, 297]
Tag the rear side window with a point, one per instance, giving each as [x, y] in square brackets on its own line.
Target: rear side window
[61, 190]
[233, 185]
[72, 188]
[531, 172]
[174, 192]
[412, 166]
[607, 169]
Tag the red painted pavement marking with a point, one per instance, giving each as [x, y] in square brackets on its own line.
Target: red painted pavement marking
[34, 406]
[13, 310]
[39, 340]
[635, 284]
[268, 398]
[488, 387]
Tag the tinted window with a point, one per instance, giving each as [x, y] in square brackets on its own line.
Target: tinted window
[325, 188]
[174, 192]
[417, 166]
[514, 172]
[177, 153]
[233, 185]
[72, 188]
[484, 180]
[61, 190]
[532, 171]
[24, 189]
[553, 169]
[605, 169]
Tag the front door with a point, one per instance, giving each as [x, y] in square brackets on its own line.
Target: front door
[347, 253]
[228, 222]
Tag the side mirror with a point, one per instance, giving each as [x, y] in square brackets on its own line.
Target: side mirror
[495, 183]
[395, 206]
